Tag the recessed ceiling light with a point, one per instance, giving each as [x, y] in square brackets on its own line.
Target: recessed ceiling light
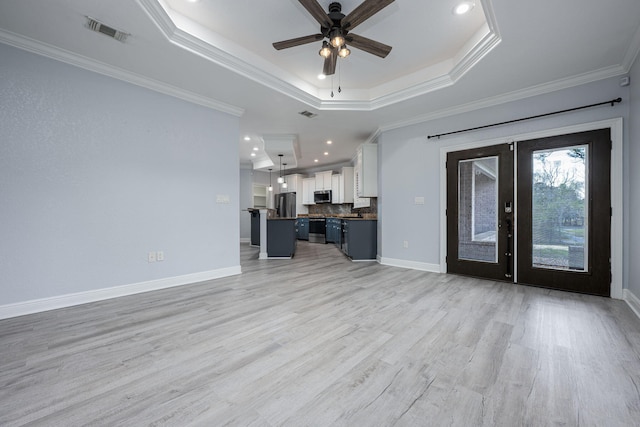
[321, 77]
[315, 160]
[253, 154]
[326, 153]
[247, 138]
[329, 142]
[255, 148]
[463, 7]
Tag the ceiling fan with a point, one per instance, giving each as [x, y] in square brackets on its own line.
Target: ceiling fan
[336, 27]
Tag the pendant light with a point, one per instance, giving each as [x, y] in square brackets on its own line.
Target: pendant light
[284, 183]
[270, 188]
[280, 178]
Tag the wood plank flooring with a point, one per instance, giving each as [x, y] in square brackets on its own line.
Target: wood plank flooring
[321, 341]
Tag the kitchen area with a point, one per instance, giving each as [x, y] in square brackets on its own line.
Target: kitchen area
[337, 207]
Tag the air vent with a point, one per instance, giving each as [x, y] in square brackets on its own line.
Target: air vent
[99, 27]
[308, 114]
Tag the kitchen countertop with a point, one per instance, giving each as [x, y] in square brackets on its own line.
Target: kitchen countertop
[341, 216]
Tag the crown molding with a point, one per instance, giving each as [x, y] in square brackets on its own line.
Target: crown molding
[58, 54]
[632, 52]
[529, 92]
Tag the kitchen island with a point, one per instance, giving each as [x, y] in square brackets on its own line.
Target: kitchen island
[281, 238]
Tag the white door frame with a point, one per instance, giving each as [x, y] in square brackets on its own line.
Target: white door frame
[615, 125]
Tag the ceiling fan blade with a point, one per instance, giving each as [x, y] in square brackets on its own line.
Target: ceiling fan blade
[318, 13]
[297, 41]
[364, 11]
[368, 45]
[330, 63]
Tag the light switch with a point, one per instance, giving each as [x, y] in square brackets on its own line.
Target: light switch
[223, 199]
[418, 200]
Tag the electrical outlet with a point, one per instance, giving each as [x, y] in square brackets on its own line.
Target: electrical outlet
[152, 257]
[406, 244]
[160, 256]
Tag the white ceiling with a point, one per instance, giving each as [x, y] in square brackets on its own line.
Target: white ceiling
[218, 53]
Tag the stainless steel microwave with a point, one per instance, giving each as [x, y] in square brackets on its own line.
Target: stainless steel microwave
[323, 196]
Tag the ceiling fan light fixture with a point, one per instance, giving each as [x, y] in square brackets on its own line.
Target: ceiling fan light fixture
[336, 37]
[344, 51]
[325, 52]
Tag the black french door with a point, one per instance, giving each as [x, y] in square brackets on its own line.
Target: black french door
[563, 212]
[479, 212]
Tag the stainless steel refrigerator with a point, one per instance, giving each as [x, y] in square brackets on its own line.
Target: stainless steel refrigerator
[286, 205]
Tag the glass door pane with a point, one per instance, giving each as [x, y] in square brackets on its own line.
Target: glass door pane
[478, 209]
[559, 210]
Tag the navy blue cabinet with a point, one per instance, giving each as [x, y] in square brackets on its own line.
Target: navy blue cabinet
[281, 238]
[334, 230]
[302, 228]
[360, 238]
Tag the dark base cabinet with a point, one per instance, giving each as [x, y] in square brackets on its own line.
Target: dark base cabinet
[281, 238]
[334, 230]
[302, 228]
[360, 239]
[255, 227]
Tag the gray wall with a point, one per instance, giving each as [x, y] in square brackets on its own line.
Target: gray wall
[408, 149]
[95, 173]
[634, 181]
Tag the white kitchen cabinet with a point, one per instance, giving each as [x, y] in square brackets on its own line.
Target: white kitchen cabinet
[335, 189]
[323, 180]
[308, 187]
[294, 183]
[342, 186]
[366, 171]
[359, 202]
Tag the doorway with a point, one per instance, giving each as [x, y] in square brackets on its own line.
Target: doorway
[558, 233]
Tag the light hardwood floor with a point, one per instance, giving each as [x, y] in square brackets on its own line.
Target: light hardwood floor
[321, 341]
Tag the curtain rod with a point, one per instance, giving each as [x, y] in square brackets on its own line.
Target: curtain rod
[612, 102]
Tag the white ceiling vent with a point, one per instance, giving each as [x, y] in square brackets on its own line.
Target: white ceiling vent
[99, 27]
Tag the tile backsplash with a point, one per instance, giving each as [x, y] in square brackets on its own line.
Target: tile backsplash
[343, 209]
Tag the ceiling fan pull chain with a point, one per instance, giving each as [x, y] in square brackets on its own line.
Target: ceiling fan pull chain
[339, 77]
[332, 86]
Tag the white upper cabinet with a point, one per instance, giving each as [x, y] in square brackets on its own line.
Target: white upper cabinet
[294, 184]
[323, 180]
[366, 171]
[342, 186]
[336, 189]
[308, 187]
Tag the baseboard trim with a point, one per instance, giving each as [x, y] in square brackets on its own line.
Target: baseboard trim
[414, 265]
[632, 300]
[68, 300]
[245, 240]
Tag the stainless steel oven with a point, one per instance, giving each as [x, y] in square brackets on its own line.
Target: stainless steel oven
[317, 230]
